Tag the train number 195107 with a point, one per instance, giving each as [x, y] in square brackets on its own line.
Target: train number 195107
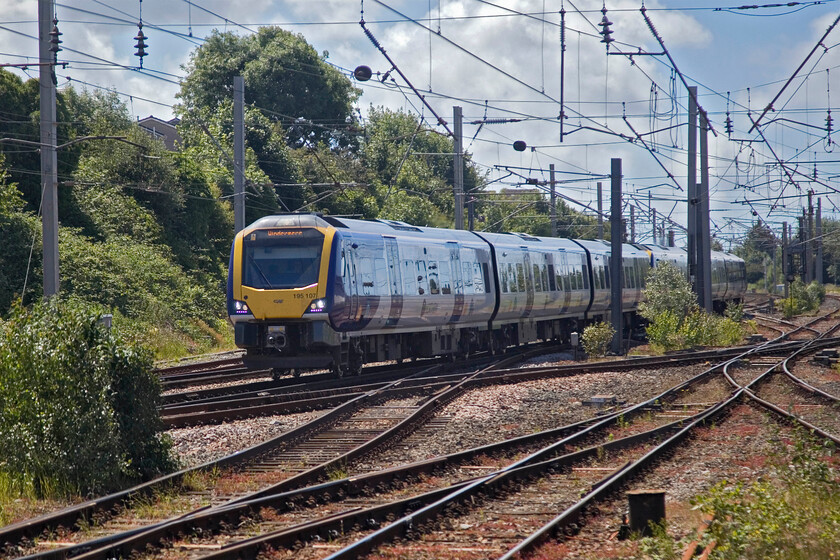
[305, 296]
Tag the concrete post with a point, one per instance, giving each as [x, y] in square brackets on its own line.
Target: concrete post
[49, 160]
[238, 154]
[616, 273]
[458, 167]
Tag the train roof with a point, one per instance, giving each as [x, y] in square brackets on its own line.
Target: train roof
[518, 239]
[381, 227]
[395, 227]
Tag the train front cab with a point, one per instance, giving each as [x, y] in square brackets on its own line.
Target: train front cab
[279, 292]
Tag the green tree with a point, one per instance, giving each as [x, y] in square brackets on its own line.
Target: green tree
[675, 320]
[208, 143]
[21, 257]
[412, 168]
[529, 211]
[284, 77]
[19, 120]
[143, 191]
[831, 250]
[758, 248]
[336, 182]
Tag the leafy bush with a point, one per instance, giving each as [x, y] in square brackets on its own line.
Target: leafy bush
[794, 514]
[78, 407]
[675, 320]
[802, 298]
[151, 293]
[596, 339]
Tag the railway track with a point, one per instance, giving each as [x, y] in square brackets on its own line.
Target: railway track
[219, 407]
[601, 431]
[625, 434]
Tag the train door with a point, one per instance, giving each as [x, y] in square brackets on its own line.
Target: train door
[457, 280]
[529, 283]
[348, 273]
[394, 273]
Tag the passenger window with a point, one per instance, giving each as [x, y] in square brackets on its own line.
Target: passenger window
[434, 281]
[445, 278]
[559, 272]
[422, 281]
[380, 271]
[466, 271]
[478, 279]
[552, 280]
[521, 281]
[585, 272]
[537, 278]
[544, 273]
[485, 275]
[367, 276]
[409, 278]
[512, 278]
[503, 277]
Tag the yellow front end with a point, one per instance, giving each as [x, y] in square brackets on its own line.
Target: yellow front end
[268, 303]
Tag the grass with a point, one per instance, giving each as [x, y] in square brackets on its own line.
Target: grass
[170, 343]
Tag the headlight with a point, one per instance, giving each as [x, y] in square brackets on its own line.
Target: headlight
[240, 307]
[317, 306]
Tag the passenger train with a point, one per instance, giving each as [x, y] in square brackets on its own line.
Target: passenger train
[310, 291]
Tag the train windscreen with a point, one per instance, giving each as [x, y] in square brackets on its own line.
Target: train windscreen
[282, 259]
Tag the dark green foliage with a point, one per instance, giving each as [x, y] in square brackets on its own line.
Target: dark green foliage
[529, 211]
[21, 235]
[284, 77]
[793, 514]
[138, 279]
[758, 249]
[19, 119]
[78, 407]
[802, 298]
[269, 163]
[831, 250]
[339, 183]
[675, 320]
[412, 169]
[596, 339]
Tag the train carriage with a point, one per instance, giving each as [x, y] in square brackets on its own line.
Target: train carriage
[309, 291]
[314, 291]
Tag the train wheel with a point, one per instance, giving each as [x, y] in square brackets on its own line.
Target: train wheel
[277, 373]
[295, 373]
[337, 370]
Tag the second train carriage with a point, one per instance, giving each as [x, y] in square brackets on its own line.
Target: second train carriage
[310, 291]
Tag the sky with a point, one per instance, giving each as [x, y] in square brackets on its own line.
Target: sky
[501, 61]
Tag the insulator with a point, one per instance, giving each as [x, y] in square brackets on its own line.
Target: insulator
[728, 125]
[605, 28]
[54, 37]
[141, 45]
[829, 122]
